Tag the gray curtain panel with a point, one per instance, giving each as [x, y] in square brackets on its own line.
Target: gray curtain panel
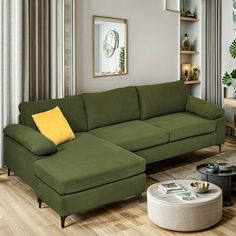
[36, 50]
[213, 86]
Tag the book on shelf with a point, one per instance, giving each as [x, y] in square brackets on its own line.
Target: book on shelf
[187, 196]
[171, 187]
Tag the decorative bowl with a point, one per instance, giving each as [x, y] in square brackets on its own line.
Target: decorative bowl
[212, 168]
[200, 187]
[225, 167]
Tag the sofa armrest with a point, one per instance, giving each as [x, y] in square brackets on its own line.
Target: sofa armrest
[203, 108]
[31, 139]
[220, 130]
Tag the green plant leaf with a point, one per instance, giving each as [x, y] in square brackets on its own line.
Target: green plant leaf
[227, 80]
[232, 49]
[227, 75]
[233, 74]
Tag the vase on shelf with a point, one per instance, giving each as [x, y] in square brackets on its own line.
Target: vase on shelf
[185, 44]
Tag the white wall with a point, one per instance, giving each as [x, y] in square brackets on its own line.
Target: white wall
[228, 35]
[152, 49]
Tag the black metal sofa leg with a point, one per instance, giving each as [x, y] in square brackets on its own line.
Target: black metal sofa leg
[63, 218]
[220, 148]
[40, 202]
[8, 171]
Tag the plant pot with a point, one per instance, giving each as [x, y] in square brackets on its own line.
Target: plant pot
[234, 94]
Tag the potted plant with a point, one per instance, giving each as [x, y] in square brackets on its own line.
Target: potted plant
[122, 59]
[195, 73]
[229, 79]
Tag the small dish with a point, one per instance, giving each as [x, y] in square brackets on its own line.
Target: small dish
[200, 187]
[212, 168]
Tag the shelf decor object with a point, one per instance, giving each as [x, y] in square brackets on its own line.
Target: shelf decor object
[172, 5]
[186, 9]
[195, 72]
[185, 43]
[186, 71]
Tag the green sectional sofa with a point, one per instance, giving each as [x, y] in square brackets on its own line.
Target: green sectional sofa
[117, 133]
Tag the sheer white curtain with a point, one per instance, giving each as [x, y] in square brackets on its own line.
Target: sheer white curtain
[62, 36]
[10, 64]
[213, 85]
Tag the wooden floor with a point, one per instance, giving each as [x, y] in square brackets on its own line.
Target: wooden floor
[20, 215]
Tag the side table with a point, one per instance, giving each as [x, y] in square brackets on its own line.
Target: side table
[221, 179]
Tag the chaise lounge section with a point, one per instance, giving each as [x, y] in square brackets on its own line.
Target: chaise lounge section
[117, 133]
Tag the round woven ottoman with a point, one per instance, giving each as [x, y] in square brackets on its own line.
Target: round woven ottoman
[173, 213]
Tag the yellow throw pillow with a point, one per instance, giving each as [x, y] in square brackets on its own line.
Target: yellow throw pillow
[54, 126]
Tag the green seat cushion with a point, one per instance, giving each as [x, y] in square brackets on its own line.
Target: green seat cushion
[85, 163]
[71, 107]
[133, 135]
[161, 99]
[183, 125]
[111, 107]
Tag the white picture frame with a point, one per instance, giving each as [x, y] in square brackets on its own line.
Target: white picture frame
[172, 5]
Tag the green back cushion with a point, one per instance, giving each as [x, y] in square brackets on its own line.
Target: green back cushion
[161, 99]
[71, 107]
[111, 107]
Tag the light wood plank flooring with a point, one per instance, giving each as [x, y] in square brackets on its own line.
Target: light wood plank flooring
[20, 215]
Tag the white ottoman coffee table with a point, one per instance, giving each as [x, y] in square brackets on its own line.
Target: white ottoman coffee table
[173, 213]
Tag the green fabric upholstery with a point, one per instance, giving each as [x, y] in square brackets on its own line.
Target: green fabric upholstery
[20, 160]
[128, 128]
[173, 149]
[71, 107]
[111, 107]
[85, 163]
[183, 125]
[132, 135]
[83, 201]
[220, 127]
[203, 108]
[161, 99]
[31, 139]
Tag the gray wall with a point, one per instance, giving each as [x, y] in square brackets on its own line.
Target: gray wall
[153, 43]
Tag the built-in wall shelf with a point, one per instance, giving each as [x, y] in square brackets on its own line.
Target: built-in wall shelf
[192, 82]
[189, 52]
[183, 18]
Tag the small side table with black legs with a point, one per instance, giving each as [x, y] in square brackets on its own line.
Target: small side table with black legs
[221, 179]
